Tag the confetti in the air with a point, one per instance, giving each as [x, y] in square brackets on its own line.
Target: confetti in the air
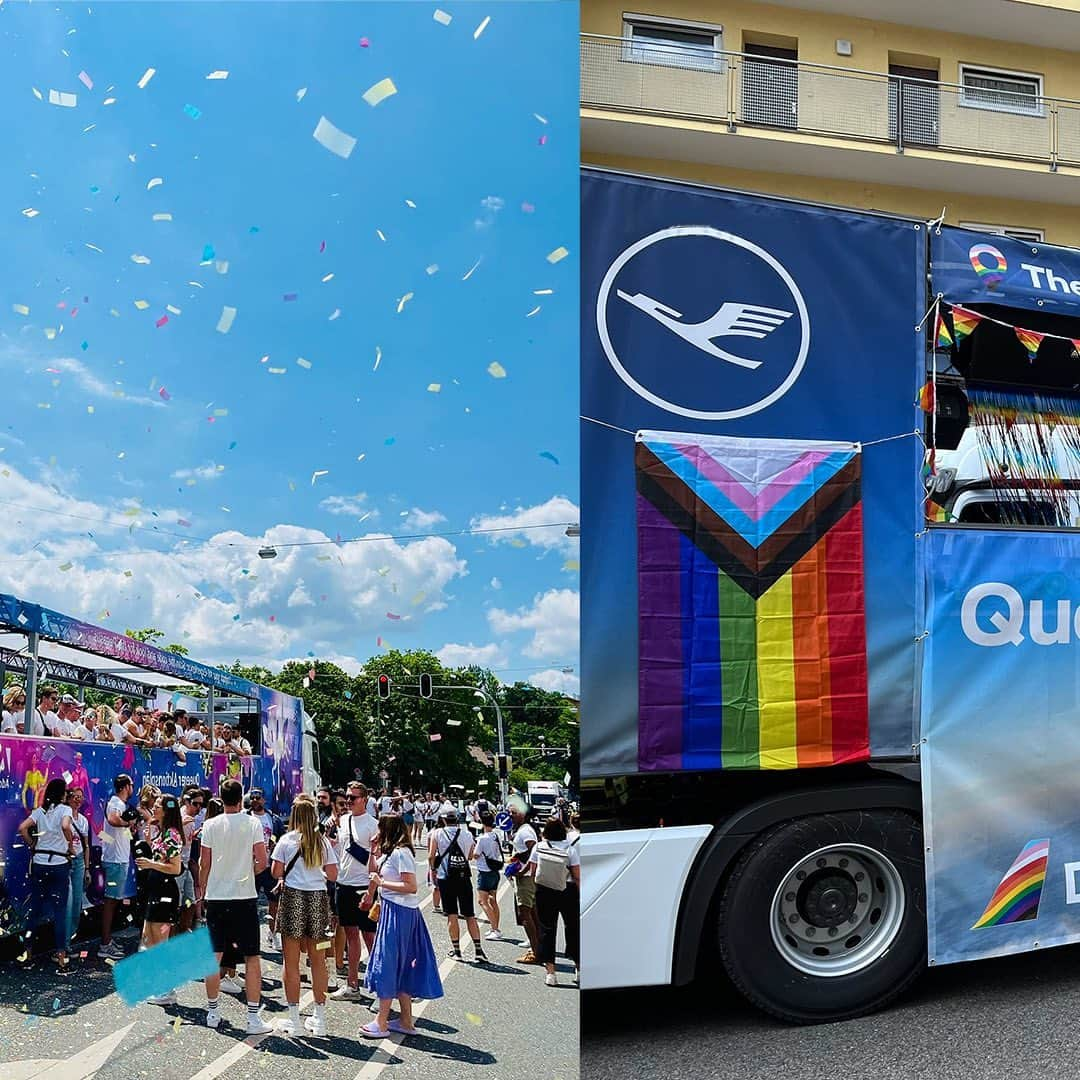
[86, 80]
[496, 370]
[557, 255]
[218, 75]
[59, 97]
[482, 27]
[224, 323]
[147, 76]
[403, 301]
[442, 17]
[383, 89]
[334, 139]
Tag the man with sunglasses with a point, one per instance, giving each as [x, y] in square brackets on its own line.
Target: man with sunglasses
[273, 829]
[356, 833]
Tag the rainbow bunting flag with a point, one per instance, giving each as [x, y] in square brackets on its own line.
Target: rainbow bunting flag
[1016, 899]
[943, 337]
[964, 323]
[751, 620]
[1030, 339]
[1076, 344]
[926, 397]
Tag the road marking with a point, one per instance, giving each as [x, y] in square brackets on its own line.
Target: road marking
[84, 1064]
[384, 1052]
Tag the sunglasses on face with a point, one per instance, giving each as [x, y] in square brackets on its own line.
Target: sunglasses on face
[353, 798]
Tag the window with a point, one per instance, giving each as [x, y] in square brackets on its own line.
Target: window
[1003, 91]
[1034, 236]
[672, 42]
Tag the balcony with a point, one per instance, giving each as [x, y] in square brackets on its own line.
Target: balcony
[821, 120]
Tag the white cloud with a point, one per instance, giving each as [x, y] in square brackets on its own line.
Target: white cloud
[209, 471]
[492, 204]
[558, 682]
[487, 656]
[87, 381]
[496, 583]
[350, 505]
[317, 598]
[422, 520]
[520, 525]
[553, 619]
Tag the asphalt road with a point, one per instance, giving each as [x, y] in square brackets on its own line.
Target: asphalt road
[1014, 1017]
[498, 1023]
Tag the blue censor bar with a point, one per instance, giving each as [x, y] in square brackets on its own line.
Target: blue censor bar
[165, 967]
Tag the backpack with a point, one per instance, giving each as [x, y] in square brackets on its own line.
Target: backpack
[552, 866]
[457, 865]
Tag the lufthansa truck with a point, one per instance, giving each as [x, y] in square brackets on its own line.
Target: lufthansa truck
[828, 722]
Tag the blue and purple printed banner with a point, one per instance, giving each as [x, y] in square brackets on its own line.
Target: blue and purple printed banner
[1001, 741]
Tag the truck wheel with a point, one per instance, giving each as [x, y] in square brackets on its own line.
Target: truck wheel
[824, 918]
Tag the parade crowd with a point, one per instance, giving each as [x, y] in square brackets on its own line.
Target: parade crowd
[341, 880]
[63, 716]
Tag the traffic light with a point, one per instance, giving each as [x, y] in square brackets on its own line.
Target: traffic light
[504, 766]
[384, 687]
[425, 685]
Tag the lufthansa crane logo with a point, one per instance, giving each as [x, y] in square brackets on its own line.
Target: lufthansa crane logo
[733, 348]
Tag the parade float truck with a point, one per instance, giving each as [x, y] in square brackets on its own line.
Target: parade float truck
[830, 599]
[39, 646]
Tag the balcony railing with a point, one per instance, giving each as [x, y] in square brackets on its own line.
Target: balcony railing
[737, 89]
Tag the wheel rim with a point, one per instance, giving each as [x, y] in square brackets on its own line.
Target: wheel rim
[837, 910]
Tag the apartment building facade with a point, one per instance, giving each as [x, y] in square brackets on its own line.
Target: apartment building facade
[971, 107]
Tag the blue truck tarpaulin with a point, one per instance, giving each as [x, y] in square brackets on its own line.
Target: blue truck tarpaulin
[973, 267]
[719, 313]
[1001, 742]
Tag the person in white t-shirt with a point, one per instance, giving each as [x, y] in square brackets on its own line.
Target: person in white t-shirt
[356, 838]
[452, 847]
[53, 846]
[232, 853]
[304, 861]
[14, 713]
[489, 860]
[44, 720]
[555, 866]
[402, 964]
[116, 836]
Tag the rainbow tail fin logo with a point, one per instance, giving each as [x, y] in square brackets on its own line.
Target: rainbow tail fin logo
[1016, 899]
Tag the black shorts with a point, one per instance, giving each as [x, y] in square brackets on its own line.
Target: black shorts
[457, 896]
[349, 912]
[162, 898]
[234, 926]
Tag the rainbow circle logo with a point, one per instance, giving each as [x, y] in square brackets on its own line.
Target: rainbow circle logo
[988, 263]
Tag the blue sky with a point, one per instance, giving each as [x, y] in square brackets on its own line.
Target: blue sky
[143, 465]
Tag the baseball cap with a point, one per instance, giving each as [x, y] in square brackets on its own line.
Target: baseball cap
[69, 699]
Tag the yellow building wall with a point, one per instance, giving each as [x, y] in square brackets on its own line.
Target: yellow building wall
[1060, 223]
[872, 41]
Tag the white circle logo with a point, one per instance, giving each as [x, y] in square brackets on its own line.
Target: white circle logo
[755, 383]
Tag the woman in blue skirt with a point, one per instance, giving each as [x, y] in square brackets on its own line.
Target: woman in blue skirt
[402, 963]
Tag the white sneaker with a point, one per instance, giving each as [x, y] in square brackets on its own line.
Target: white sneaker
[230, 985]
[285, 1028]
[163, 999]
[213, 1018]
[332, 983]
[256, 1025]
[550, 980]
[346, 993]
[493, 935]
[316, 1025]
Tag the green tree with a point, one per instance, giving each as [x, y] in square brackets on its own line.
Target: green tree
[537, 718]
[152, 636]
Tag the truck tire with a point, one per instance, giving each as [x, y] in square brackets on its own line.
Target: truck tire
[824, 918]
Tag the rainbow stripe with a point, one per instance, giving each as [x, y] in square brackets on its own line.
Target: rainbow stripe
[964, 323]
[752, 649]
[1016, 899]
[944, 338]
[1030, 339]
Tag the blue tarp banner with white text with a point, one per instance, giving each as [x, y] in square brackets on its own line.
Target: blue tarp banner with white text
[1001, 742]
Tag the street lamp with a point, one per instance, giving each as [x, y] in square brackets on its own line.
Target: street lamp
[502, 740]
